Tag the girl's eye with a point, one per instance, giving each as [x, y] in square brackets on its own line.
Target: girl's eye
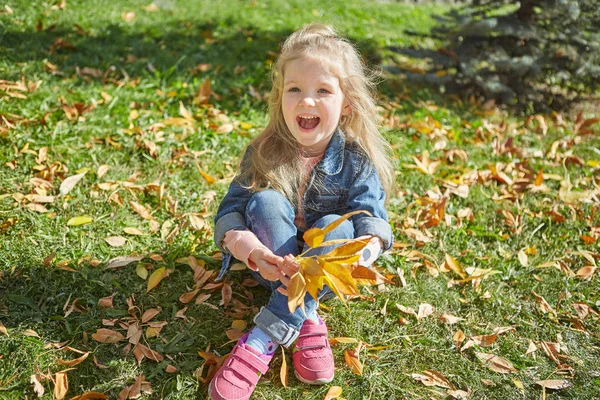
[324, 91]
[294, 89]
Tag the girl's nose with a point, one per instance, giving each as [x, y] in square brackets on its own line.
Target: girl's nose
[308, 101]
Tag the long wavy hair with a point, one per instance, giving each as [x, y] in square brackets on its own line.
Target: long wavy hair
[274, 159]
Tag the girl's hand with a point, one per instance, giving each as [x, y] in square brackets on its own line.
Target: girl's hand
[288, 267]
[266, 263]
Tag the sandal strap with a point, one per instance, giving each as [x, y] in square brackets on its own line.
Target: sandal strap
[311, 342]
[250, 359]
[309, 330]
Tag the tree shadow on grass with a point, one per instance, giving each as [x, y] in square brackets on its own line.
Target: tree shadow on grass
[177, 52]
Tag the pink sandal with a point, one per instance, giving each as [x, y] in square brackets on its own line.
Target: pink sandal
[313, 359]
[237, 378]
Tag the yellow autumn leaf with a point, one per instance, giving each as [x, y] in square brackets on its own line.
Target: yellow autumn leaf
[296, 291]
[61, 385]
[333, 393]
[455, 266]
[283, 373]
[82, 220]
[155, 278]
[315, 236]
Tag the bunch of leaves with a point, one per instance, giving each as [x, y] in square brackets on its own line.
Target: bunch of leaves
[338, 268]
[535, 53]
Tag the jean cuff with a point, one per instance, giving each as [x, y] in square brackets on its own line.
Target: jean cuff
[274, 326]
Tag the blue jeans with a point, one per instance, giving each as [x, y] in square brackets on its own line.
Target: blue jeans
[271, 217]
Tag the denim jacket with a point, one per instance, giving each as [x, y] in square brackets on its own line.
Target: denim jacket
[343, 181]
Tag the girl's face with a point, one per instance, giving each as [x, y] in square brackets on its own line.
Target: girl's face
[312, 103]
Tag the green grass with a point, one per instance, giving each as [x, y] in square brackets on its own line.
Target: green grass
[149, 65]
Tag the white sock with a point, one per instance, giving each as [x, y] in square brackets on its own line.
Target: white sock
[259, 340]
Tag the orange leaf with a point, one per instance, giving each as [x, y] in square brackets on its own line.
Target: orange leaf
[315, 236]
[61, 385]
[283, 373]
[104, 335]
[76, 361]
[187, 297]
[226, 294]
[90, 396]
[353, 361]
[296, 290]
[149, 314]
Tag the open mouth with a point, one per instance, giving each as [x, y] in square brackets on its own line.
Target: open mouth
[308, 122]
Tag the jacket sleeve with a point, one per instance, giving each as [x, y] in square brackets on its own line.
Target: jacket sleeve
[367, 193]
[232, 210]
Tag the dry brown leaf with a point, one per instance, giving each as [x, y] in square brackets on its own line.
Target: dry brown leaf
[433, 378]
[102, 171]
[71, 363]
[90, 396]
[3, 329]
[150, 313]
[101, 366]
[543, 304]
[283, 373]
[31, 333]
[106, 302]
[104, 335]
[450, 319]
[141, 210]
[552, 350]
[234, 334]
[133, 231]
[495, 363]
[38, 388]
[532, 348]
[554, 384]
[157, 276]
[582, 309]
[68, 184]
[586, 272]
[226, 293]
[170, 369]
[425, 310]
[202, 298]
[333, 393]
[115, 241]
[458, 338]
[61, 385]
[187, 297]
[122, 261]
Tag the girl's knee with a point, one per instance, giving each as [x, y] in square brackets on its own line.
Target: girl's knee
[268, 201]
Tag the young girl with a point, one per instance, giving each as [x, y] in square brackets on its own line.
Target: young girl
[320, 156]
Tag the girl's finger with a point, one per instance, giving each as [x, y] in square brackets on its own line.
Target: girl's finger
[285, 269]
[285, 281]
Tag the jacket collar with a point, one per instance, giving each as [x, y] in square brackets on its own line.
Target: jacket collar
[333, 158]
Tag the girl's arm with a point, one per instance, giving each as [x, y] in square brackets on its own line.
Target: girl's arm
[367, 193]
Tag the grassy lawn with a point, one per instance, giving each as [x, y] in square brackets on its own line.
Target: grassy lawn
[496, 221]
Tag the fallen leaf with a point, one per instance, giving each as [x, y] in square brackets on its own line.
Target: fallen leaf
[239, 324]
[495, 363]
[141, 271]
[3, 329]
[333, 393]
[523, 259]
[283, 373]
[586, 272]
[352, 359]
[225, 128]
[455, 266]
[156, 277]
[82, 220]
[38, 388]
[555, 384]
[90, 396]
[187, 297]
[68, 184]
[170, 369]
[141, 210]
[122, 261]
[115, 241]
[149, 314]
[104, 335]
[61, 385]
[433, 378]
[128, 17]
[31, 333]
[102, 171]
[71, 363]
[133, 231]
[450, 319]
[425, 310]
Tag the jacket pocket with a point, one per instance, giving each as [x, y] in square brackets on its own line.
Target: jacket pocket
[332, 202]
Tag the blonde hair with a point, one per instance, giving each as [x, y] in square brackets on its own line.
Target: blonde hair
[273, 160]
